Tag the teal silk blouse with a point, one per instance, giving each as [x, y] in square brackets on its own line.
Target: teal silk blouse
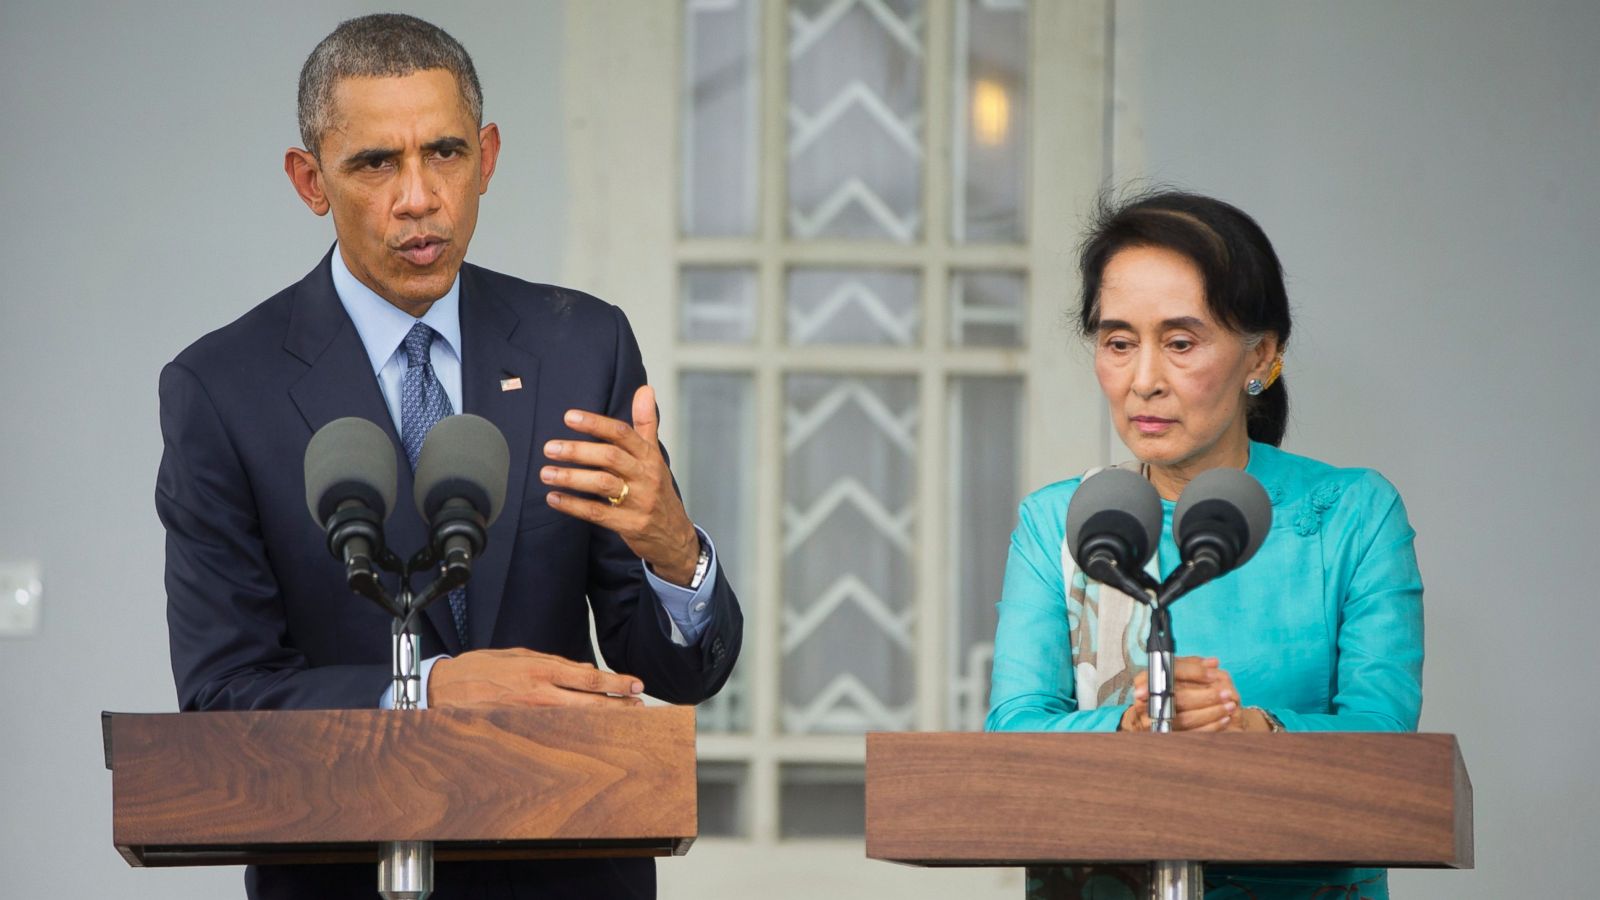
[1322, 628]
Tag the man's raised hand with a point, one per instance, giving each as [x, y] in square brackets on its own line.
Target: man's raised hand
[624, 467]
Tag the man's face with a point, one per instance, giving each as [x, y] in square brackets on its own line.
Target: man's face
[401, 167]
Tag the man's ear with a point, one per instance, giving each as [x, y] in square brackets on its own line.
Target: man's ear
[488, 153]
[305, 173]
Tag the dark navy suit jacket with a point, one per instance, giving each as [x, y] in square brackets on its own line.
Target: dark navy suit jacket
[257, 611]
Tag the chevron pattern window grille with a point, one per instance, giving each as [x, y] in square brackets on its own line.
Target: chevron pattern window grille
[855, 108]
[854, 306]
[851, 334]
[849, 553]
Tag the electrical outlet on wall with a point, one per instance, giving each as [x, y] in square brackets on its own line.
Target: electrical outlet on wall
[21, 586]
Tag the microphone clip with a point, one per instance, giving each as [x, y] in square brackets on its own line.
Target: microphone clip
[459, 534]
[1103, 567]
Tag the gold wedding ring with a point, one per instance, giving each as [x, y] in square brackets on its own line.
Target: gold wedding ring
[617, 500]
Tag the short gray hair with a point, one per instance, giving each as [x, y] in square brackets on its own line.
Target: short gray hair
[378, 46]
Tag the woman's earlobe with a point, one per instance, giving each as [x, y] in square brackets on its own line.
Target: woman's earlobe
[1256, 386]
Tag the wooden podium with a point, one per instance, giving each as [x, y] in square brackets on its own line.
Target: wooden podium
[1383, 800]
[236, 788]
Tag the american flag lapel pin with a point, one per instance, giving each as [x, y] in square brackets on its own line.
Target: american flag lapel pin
[511, 384]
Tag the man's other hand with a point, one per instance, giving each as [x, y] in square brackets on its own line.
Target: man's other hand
[518, 677]
[625, 468]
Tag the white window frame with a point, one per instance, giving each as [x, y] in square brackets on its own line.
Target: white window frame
[621, 80]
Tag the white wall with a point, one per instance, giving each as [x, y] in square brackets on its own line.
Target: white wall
[144, 204]
[1428, 174]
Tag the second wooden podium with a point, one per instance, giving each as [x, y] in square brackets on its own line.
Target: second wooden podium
[1381, 800]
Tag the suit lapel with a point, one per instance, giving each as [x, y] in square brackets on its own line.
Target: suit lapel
[489, 356]
[340, 383]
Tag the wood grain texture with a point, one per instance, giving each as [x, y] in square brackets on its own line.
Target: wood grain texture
[1398, 800]
[231, 787]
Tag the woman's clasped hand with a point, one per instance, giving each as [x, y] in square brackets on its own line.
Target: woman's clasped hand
[1204, 698]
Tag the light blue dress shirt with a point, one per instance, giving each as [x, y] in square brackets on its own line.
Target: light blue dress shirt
[382, 327]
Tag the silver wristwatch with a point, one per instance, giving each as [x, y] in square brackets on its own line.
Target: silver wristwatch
[702, 566]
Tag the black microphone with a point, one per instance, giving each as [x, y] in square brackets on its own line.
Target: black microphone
[1221, 520]
[460, 488]
[1113, 526]
[350, 469]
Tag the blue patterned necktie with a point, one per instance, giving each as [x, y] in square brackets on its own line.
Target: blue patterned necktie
[423, 403]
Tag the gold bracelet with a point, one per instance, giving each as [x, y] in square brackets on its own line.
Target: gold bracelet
[1273, 724]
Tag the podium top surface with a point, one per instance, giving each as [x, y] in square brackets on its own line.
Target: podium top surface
[227, 788]
[1393, 800]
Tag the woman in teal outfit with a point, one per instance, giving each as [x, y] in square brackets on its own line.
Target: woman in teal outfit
[1184, 300]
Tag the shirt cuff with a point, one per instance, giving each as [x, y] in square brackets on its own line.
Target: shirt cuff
[387, 700]
[688, 612]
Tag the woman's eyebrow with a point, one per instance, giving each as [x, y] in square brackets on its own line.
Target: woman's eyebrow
[1193, 323]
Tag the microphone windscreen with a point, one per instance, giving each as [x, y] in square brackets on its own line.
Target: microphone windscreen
[350, 459]
[1118, 502]
[463, 457]
[1225, 499]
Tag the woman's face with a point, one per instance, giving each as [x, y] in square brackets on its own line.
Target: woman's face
[1175, 376]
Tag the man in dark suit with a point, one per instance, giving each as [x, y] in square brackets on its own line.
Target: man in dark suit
[394, 327]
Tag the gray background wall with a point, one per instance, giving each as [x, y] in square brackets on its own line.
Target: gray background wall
[1428, 171]
[145, 204]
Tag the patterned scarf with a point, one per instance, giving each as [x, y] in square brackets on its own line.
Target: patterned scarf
[1108, 630]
